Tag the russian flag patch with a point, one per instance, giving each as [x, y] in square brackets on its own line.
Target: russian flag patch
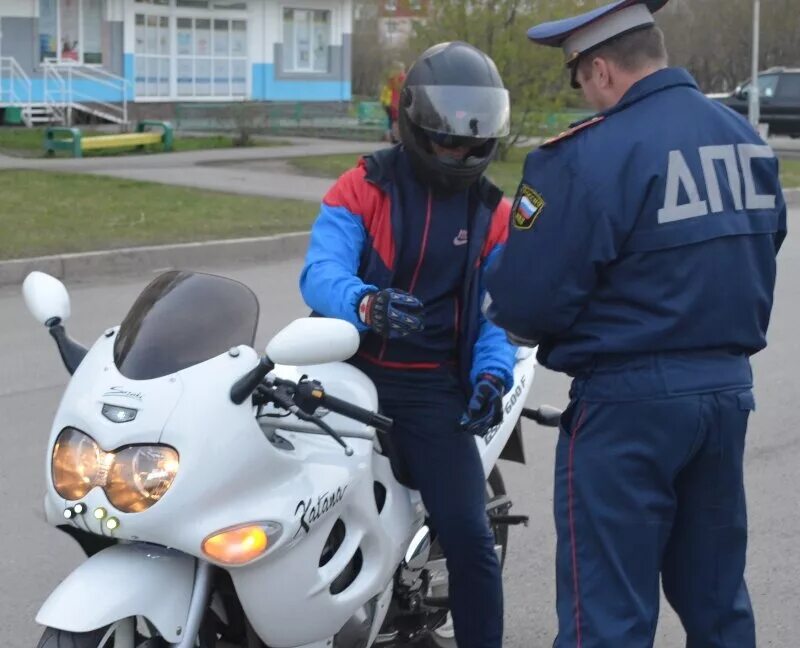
[527, 207]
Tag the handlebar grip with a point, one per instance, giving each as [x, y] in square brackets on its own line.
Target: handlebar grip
[356, 413]
[545, 415]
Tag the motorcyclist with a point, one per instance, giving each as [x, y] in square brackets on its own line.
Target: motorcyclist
[399, 250]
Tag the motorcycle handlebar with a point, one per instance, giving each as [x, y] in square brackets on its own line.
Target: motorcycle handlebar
[309, 395]
[373, 419]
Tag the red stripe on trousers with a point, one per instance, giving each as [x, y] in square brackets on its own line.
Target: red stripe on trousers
[570, 470]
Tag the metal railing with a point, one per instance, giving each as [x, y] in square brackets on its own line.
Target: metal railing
[16, 88]
[55, 95]
[74, 75]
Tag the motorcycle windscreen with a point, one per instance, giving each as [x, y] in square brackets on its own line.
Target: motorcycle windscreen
[182, 319]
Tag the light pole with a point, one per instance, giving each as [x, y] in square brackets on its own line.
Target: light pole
[755, 94]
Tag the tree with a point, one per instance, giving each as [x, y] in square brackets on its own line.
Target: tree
[713, 38]
[535, 76]
[372, 60]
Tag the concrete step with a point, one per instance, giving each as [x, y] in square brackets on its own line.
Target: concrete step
[114, 118]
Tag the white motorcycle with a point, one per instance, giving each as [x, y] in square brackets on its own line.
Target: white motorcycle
[229, 499]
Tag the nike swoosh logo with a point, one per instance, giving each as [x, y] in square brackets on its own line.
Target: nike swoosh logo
[459, 241]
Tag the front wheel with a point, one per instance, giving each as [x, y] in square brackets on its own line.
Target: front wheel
[143, 637]
[53, 638]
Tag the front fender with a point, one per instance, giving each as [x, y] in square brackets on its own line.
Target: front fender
[123, 581]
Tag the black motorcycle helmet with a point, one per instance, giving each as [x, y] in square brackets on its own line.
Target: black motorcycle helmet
[454, 96]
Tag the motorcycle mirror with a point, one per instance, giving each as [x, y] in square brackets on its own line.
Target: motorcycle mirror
[46, 297]
[314, 340]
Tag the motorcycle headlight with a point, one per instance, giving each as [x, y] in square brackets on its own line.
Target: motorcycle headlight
[133, 478]
[140, 476]
[76, 463]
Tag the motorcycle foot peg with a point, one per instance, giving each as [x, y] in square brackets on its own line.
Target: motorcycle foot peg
[509, 520]
[545, 415]
[438, 602]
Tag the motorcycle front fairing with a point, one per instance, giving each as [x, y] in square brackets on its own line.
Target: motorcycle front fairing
[230, 474]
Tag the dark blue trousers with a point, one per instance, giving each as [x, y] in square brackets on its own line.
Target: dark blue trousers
[443, 463]
[649, 485]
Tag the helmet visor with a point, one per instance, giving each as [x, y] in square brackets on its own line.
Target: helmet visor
[462, 111]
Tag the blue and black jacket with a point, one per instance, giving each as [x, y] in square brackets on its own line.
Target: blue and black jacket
[379, 227]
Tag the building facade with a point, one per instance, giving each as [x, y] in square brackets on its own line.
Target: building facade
[397, 19]
[178, 50]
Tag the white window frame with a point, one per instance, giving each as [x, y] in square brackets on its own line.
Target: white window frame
[159, 56]
[213, 57]
[174, 13]
[311, 9]
[57, 58]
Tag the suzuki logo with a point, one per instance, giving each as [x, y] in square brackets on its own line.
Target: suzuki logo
[121, 391]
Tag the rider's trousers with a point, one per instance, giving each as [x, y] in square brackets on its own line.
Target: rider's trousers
[443, 463]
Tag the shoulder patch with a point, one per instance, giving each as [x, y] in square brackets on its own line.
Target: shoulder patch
[527, 207]
[575, 129]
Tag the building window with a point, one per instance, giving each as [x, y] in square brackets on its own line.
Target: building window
[306, 40]
[70, 31]
[391, 5]
[152, 56]
[212, 57]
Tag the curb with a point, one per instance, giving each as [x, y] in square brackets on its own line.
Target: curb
[138, 260]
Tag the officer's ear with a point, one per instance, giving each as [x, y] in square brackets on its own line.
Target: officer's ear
[601, 72]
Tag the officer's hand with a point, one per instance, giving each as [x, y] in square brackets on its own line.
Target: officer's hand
[391, 313]
[485, 409]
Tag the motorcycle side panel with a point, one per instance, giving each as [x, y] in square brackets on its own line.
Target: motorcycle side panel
[491, 446]
[124, 581]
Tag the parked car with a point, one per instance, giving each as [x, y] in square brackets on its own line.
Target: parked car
[780, 100]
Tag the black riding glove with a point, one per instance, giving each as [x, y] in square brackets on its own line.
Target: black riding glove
[485, 409]
[391, 313]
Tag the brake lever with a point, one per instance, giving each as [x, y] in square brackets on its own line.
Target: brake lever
[280, 397]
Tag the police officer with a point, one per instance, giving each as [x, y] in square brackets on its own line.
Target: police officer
[399, 249]
[641, 258]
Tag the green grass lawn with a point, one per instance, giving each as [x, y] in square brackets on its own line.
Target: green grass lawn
[53, 213]
[27, 142]
[506, 174]
[790, 174]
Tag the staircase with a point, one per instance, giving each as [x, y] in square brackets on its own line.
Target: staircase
[67, 88]
[66, 92]
[38, 114]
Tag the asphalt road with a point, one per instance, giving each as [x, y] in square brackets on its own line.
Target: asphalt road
[34, 557]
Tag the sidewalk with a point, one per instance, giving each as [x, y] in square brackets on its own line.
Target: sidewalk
[215, 170]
